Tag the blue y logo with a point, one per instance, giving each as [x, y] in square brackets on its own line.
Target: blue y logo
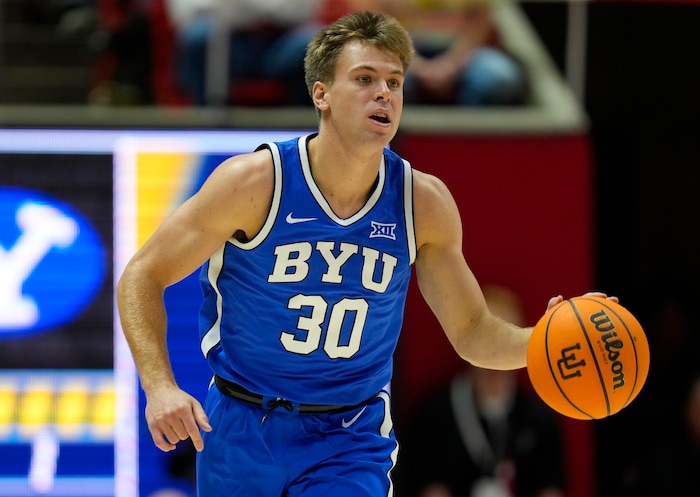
[51, 262]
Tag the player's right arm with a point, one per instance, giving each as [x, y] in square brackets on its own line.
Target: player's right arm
[235, 199]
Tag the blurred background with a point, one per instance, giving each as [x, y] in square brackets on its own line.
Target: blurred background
[114, 111]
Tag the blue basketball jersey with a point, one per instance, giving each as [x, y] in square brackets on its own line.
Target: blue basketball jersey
[310, 308]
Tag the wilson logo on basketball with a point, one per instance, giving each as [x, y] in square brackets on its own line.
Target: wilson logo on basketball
[613, 345]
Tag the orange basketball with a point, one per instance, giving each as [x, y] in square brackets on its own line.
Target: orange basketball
[588, 358]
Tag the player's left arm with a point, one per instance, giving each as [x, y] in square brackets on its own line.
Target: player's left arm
[450, 288]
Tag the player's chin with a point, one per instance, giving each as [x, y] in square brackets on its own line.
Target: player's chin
[386, 130]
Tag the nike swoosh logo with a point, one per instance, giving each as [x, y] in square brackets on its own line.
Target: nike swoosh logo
[347, 424]
[294, 220]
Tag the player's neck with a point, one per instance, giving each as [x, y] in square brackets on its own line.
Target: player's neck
[330, 151]
[345, 176]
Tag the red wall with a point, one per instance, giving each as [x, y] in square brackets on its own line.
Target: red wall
[527, 213]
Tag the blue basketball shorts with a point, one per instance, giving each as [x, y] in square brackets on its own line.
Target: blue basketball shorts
[253, 452]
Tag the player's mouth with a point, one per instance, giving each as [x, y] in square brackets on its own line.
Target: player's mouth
[381, 117]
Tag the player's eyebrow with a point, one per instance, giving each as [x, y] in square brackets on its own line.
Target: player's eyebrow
[367, 67]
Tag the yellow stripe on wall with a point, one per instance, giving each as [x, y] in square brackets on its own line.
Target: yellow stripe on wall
[162, 181]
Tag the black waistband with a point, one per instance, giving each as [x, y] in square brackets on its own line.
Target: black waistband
[237, 392]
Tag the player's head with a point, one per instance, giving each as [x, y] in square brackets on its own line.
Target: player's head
[381, 31]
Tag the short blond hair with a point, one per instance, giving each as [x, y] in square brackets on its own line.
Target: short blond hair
[379, 30]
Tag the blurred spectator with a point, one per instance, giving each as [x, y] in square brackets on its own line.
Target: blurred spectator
[55, 12]
[673, 466]
[220, 43]
[624, 440]
[122, 75]
[483, 436]
[459, 59]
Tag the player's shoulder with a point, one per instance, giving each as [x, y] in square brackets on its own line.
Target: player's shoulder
[235, 181]
[250, 169]
[238, 192]
[429, 190]
[434, 208]
[261, 158]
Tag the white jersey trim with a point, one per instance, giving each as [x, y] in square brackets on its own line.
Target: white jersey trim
[385, 431]
[213, 336]
[274, 206]
[408, 211]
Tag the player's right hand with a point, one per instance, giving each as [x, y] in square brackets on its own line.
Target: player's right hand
[173, 415]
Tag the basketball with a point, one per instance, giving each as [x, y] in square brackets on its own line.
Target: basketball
[588, 358]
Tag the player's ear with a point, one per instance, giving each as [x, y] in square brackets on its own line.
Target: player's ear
[319, 95]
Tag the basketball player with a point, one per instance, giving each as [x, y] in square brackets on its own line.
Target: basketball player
[307, 248]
